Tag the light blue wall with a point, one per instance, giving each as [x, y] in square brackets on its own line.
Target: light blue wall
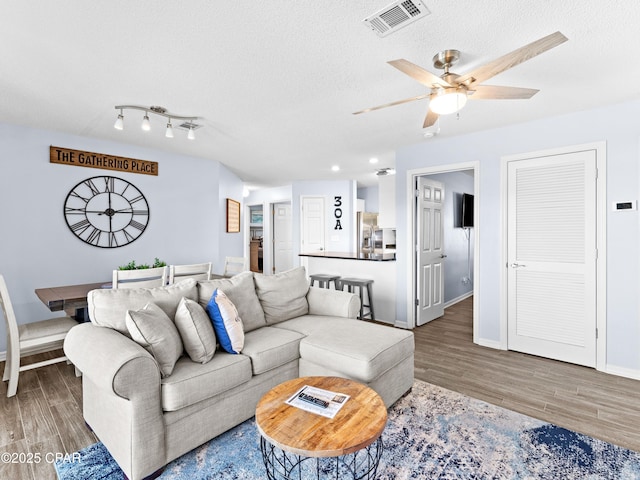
[336, 240]
[618, 126]
[370, 195]
[187, 220]
[456, 245]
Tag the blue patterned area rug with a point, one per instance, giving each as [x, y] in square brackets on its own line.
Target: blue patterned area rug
[432, 433]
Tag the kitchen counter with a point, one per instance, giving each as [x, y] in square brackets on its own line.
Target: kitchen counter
[376, 257]
[379, 267]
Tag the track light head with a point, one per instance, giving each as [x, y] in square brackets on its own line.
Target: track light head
[192, 134]
[119, 125]
[169, 132]
[146, 124]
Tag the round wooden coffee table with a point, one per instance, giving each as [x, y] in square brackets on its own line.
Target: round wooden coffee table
[297, 444]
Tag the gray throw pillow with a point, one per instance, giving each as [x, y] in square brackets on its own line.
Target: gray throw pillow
[242, 292]
[196, 331]
[283, 295]
[154, 330]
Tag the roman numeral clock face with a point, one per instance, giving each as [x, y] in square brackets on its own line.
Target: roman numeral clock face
[106, 212]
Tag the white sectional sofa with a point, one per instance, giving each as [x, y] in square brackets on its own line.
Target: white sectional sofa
[146, 418]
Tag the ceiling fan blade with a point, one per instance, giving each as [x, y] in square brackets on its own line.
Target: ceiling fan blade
[418, 73]
[489, 92]
[430, 119]
[512, 59]
[398, 102]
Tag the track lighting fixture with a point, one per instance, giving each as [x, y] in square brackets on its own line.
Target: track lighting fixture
[188, 124]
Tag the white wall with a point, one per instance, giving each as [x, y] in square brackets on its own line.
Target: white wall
[618, 126]
[187, 221]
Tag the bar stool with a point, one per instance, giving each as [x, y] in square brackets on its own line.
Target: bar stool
[324, 280]
[360, 284]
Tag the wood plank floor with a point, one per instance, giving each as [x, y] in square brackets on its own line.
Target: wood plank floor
[43, 420]
[45, 417]
[579, 398]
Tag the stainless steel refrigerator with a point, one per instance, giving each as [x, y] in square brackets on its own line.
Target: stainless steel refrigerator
[366, 223]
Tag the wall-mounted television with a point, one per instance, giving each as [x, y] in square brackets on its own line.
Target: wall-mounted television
[466, 215]
[463, 210]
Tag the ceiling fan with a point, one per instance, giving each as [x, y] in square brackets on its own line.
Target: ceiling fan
[449, 92]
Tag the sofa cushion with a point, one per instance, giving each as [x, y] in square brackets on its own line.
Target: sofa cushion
[359, 350]
[193, 382]
[283, 295]
[226, 322]
[156, 332]
[242, 292]
[196, 331]
[107, 307]
[269, 348]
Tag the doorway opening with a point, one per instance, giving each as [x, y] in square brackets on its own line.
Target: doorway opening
[450, 270]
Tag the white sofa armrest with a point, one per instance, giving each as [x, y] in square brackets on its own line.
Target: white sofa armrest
[121, 396]
[100, 353]
[333, 303]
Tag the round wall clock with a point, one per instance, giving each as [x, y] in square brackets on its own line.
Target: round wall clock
[106, 212]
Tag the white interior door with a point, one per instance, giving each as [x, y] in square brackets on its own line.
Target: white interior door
[282, 237]
[430, 254]
[313, 226]
[551, 247]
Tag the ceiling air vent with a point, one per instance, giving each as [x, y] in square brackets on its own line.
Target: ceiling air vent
[396, 16]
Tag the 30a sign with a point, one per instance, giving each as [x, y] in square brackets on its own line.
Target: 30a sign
[337, 212]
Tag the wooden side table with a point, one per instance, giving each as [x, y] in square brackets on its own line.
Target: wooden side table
[297, 444]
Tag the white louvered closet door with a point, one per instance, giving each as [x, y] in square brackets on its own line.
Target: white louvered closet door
[552, 257]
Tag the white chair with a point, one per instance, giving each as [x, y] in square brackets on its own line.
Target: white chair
[235, 265]
[142, 278]
[28, 339]
[197, 271]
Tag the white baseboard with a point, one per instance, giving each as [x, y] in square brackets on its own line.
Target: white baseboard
[623, 372]
[3, 356]
[458, 299]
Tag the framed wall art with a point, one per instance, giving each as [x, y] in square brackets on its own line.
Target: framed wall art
[233, 216]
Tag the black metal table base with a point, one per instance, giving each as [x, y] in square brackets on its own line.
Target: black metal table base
[282, 465]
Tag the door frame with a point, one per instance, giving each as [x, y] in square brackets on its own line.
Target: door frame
[411, 244]
[601, 240]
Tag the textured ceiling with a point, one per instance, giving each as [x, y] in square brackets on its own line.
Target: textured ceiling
[277, 81]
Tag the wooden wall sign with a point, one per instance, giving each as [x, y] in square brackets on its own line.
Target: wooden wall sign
[79, 158]
[233, 216]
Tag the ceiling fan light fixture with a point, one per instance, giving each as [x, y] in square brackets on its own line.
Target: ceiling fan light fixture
[448, 100]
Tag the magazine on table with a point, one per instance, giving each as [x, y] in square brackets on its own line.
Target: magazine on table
[318, 401]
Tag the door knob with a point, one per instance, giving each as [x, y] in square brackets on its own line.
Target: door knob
[443, 256]
[517, 265]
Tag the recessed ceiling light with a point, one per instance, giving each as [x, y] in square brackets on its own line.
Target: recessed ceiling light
[373, 160]
[335, 168]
